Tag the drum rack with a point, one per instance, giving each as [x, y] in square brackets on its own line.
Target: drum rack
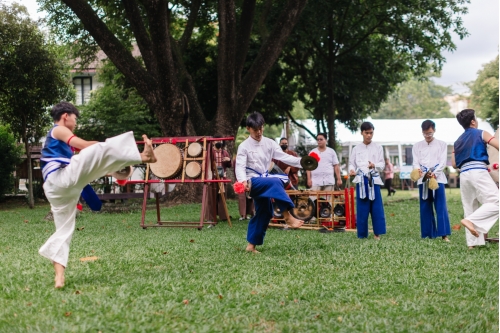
[347, 222]
[205, 179]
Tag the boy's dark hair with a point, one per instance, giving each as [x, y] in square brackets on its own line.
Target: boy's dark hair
[426, 124]
[61, 108]
[367, 126]
[255, 120]
[465, 116]
[322, 134]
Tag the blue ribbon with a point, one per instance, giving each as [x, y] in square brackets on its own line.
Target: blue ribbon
[425, 185]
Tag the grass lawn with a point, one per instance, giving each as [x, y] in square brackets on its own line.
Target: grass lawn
[185, 280]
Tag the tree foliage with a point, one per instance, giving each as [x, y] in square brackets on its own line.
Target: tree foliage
[416, 99]
[347, 56]
[10, 153]
[484, 97]
[33, 77]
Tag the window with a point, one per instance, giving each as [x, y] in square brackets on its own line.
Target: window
[83, 86]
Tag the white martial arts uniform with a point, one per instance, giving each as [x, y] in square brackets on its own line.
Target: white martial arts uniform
[361, 155]
[477, 187]
[428, 155]
[64, 186]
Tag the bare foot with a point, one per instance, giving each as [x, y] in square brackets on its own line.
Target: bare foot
[59, 279]
[148, 154]
[471, 247]
[446, 239]
[291, 221]
[251, 248]
[376, 237]
[468, 224]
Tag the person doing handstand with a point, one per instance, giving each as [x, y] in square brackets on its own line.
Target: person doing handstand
[65, 175]
[252, 163]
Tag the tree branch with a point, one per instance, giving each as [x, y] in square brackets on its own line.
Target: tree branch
[140, 34]
[299, 125]
[243, 40]
[107, 41]
[188, 31]
[268, 53]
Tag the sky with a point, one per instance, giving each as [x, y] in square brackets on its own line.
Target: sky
[462, 65]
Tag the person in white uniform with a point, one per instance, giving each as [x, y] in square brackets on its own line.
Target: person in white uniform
[431, 154]
[366, 162]
[476, 185]
[252, 163]
[65, 175]
[327, 174]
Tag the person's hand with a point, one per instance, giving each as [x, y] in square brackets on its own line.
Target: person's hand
[287, 170]
[339, 183]
[371, 165]
[309, 183]
[352, 173]
[247, 189]
[420, 173]
[226, 159]
[432, 175]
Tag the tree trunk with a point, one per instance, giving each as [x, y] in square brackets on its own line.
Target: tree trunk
[31, 198]
[330, 112]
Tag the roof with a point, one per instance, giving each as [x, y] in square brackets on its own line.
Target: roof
[394, 131]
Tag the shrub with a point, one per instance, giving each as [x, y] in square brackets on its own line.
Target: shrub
[11, 154]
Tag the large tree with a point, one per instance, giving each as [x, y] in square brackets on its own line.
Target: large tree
[33, 78]
[349, 55]
[166, 34]
[484, 96]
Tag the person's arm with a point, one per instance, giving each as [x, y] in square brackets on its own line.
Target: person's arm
[64, 134]
[309, 179]
[443, 156]
[226, 160]
[240, 165]
[453, 163]
[352, 162]
[490, 139]
[379, 164]
[336, 170]
[416, 162]
[280, 155]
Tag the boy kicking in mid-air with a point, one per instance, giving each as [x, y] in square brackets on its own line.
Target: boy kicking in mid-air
[65, 175]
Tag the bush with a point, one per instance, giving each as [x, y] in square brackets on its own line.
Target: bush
[11, 154]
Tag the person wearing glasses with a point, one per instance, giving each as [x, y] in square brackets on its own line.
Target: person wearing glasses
[327, 174]
[429, 156]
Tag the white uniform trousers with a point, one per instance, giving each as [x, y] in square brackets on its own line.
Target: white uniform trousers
[477, 187]
[64, 186]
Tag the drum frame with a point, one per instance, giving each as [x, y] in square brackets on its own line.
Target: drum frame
[205, 160]
[338, 223]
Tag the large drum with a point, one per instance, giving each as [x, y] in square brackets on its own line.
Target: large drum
[195, 149]
[169, 161]
[193, 170]
[493, 158]
[304, 207]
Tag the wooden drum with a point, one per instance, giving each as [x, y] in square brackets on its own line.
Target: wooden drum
[169, 161]
[195, 149]
[193, 170]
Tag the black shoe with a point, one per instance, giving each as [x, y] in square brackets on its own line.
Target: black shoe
[393, 192]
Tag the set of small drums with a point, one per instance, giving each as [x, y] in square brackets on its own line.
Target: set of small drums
[170, 161]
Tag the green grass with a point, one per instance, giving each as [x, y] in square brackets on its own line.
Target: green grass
[303, 281]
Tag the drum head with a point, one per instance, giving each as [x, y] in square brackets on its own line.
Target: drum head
[195, 149]
[169, 161]
[193, 169]
[324, 210]
[304, 208]
[124, 173]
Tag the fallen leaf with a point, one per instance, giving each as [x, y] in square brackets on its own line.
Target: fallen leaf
[26, 221]
[67, 314]
[296, 300]
[93, 258]
[392, 214]
[457, 227]
[282, 303]
[78, 292]
[339, 319]
[27, 289]
[317, 316]
[165, 252]
[253, 292]
[80, 229]
[191, 240]
[29, 304]
[185, 301]
[220, 296]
